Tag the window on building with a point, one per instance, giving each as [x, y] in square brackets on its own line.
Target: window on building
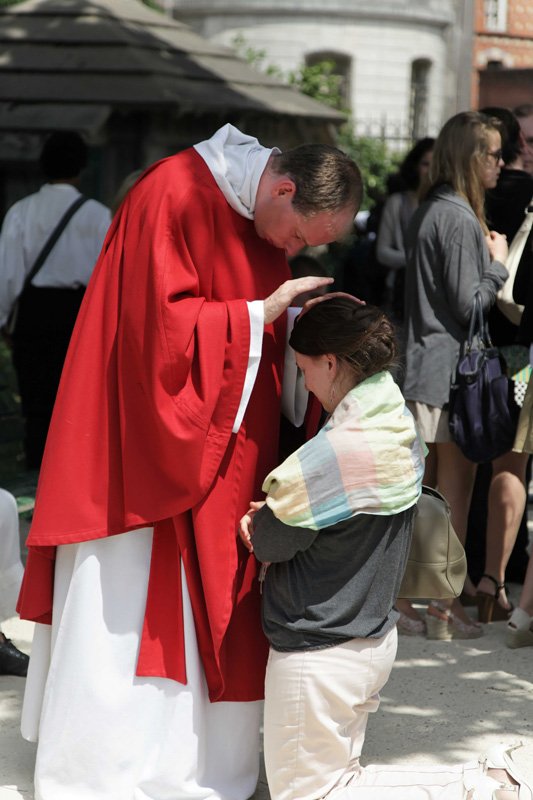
[418, 112]
[495, 15]
[342, 67]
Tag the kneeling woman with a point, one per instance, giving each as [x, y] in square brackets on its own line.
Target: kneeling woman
[335, 532]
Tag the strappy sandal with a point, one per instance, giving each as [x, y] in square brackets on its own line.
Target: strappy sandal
[408, 626]
[489, 609]
[442, 624]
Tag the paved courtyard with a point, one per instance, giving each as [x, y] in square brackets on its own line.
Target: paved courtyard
[446, 702]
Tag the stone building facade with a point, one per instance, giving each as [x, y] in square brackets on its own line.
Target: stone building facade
[405, 64]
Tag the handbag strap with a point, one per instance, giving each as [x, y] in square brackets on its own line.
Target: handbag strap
[478, 325]
[52, 239]
[429, 490]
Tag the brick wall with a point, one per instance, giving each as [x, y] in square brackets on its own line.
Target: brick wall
[512, 46]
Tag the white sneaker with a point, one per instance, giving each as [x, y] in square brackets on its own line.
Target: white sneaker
[519, 629]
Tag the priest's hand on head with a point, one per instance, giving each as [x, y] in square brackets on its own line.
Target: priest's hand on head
[329, 296]
[280, 300]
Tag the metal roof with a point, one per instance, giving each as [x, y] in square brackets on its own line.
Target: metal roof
[74, 60]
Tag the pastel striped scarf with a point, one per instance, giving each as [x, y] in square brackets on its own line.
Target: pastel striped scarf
[367, 459]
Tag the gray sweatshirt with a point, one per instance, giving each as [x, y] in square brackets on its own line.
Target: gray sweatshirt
[329, 586]
[447, 262]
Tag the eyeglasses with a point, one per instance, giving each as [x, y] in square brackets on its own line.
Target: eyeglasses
[496, 155]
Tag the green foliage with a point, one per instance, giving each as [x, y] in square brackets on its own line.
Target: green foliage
[374, 159]
[320, 82]
[256, 58]
[152, 4]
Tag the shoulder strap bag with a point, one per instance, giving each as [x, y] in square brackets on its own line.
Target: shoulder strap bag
[10, 325]
[504, 299]
[482, 412]
[436, 565]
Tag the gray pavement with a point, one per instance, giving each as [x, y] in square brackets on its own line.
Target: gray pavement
[446, 702]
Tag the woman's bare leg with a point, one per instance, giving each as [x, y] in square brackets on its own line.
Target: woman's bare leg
[506, 503]
[455, 480]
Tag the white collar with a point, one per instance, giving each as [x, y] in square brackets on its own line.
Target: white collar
[236, 162]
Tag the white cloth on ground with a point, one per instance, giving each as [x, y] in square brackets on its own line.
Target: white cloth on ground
[166, 740]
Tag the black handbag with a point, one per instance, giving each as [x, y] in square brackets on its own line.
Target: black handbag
[483, 415]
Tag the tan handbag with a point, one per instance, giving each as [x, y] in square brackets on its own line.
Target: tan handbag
[504, 299]
[436, 567]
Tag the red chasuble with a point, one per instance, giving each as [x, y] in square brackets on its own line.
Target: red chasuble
[142, 428]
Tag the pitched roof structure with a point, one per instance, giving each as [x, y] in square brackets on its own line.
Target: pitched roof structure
[69, 63]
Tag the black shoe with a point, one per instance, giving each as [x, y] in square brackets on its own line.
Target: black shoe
[12, 661]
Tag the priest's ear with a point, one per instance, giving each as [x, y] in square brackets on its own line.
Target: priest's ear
[283, 187]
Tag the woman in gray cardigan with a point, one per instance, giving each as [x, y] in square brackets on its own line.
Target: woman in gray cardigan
[451, 256]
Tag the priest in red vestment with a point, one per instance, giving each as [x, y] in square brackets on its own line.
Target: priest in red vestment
[148, 660]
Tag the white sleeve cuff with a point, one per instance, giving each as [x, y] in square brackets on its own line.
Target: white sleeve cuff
[256, 310]
[294, 395]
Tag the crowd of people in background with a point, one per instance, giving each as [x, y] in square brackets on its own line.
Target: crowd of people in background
[476, 179]
[166, 441]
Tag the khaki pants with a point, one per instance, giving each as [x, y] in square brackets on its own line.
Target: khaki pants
[317, 704]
